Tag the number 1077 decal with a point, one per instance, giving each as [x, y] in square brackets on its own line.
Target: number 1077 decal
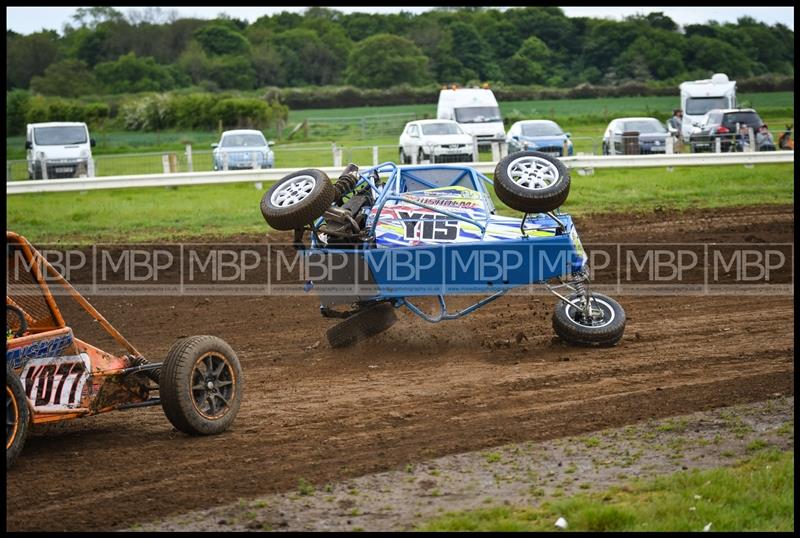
[55, 382]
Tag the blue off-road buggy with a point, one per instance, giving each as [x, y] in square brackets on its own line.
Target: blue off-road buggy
[390, 233]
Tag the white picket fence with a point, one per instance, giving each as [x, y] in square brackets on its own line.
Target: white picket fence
[581, 163]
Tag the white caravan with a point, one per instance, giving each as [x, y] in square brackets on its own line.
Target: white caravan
[700, 96]
[475, 110]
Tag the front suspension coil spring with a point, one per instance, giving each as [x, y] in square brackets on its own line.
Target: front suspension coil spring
[154, 374]
[579, 283]
[580, 287]
[347, 181]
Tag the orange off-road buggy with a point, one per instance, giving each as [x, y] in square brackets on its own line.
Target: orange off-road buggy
[52, 376]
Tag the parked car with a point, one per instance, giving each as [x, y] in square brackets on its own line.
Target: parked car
[540, 135]
[650, 136]
[729, 125]
[58, 150]
[435, 140]
[243, 148]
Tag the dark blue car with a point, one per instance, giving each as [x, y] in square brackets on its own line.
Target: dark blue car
[538, 135]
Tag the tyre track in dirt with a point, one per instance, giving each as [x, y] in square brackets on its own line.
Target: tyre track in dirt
[415, 392]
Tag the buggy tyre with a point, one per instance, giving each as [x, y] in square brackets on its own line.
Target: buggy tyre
[17, 417]
[606, 331]
[201, 385]
[361, 325]
[531, 182]
[298, 199]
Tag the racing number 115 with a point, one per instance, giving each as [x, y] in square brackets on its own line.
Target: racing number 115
[428, 226]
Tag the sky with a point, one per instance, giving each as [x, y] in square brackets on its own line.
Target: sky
[26, 20]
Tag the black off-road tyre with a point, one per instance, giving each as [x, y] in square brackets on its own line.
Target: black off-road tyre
[304, 211]
[361, 325]
[17, 417]
[570, 327]
[533, 198]
[189, 402]
[403, 158]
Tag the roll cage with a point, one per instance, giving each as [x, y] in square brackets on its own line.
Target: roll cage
[403, 180]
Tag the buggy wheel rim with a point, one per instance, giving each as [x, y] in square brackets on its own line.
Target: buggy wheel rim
[12, 417]
[293, 191]
[213, 385]
[533, 173]
[577, 317]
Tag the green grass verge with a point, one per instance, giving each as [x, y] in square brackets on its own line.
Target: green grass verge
[631, 189]
[223, 210]
[756, 495]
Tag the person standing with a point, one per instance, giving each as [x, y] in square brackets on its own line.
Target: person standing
[676, 121]
[674, 126]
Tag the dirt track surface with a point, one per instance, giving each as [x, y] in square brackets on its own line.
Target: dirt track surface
[518, 474]
[416, 392]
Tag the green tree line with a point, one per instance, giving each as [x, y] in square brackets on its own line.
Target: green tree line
[104, 52]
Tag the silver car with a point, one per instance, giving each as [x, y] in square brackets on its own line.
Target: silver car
[640, 135]
[242, 149]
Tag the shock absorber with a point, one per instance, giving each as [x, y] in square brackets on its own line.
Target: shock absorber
[153, 374]
[347, 182]
[580, 286]
[582, 291]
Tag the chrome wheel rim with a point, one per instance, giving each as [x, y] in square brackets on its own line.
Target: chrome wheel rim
[602, 314]
[293, 191]
[533, 173]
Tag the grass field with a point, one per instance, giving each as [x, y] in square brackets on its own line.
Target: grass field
[562, 108]
[223, 210]
[581, 117]
[756, 495]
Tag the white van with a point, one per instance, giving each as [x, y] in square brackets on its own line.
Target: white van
[475, 110]
[58, 150]
[700, 96]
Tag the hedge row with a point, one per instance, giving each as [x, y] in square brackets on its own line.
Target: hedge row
[146, 112]
[22, 108]
[200, 111]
